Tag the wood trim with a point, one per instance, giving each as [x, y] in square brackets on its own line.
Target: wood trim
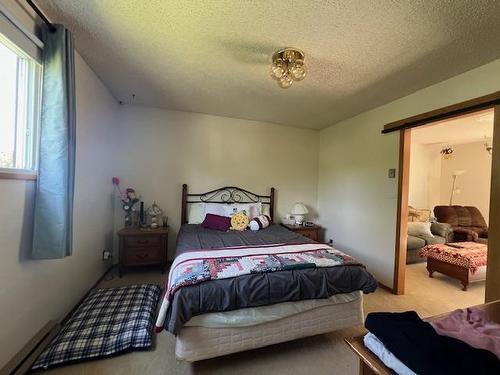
[369, 364]
[15, 175]
[271, 206]
[492, 279]
[468, 106]
[184, 204]
[385, 287]
[402, 211]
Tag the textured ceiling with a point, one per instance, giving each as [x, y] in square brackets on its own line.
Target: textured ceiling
[213, 56]
[470, 128]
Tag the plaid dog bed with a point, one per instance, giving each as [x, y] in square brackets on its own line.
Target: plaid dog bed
[108, 322]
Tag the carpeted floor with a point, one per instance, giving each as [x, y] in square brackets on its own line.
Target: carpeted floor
[324, 354]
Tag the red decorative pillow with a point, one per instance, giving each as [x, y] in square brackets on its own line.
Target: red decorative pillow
[216, 222]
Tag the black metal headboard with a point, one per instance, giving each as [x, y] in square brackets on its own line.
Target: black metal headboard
[225, 195]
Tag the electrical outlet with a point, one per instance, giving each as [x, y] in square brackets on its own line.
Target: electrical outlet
[392, 173]
[330, 242]
[106, 255]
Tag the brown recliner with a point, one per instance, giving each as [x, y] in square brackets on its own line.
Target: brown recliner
[467, 222]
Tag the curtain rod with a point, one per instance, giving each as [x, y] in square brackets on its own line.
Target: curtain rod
[15, 22]
[41, 15]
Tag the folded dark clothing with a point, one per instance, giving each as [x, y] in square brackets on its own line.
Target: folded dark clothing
[416, 344]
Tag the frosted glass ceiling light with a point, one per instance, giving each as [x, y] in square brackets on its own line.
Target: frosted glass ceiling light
[288, 66]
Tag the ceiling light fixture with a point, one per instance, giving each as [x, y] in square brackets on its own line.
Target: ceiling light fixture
[288, 66]
[447, 152]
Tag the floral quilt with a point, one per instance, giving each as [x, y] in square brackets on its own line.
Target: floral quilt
[195, 267]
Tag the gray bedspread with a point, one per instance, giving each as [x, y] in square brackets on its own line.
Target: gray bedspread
[257, 289]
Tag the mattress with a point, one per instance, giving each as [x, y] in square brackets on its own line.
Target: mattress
[257, 315]
[198, 343]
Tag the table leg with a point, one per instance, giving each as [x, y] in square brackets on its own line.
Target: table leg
[465, 284]
[364, 369]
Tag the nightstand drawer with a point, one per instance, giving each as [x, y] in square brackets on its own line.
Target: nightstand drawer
[142, 256]
[309, 233]
[142, 241]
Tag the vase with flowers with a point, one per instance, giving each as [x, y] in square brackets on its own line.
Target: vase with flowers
[128, 199]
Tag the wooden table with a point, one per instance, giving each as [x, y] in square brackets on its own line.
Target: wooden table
[369, 363]
[313, 232]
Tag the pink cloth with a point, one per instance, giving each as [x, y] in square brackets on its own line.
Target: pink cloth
[472, 326]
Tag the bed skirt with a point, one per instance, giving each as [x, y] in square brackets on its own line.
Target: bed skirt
[198, 343]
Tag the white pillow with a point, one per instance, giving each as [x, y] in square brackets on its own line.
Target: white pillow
[252, 209]
[418, 229]
[196, 213]
[260, 222]
[215, 209]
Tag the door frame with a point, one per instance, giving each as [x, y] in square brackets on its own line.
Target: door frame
[404, 126]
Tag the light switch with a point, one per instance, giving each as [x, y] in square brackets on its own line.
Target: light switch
[392, 173]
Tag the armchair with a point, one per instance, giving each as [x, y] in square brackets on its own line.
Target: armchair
[467, 222]
[442, 233]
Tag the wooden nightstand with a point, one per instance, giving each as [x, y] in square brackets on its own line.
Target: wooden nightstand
[314, 232]
[142, 247]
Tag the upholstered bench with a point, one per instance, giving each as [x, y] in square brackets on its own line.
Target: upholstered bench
[464, 261]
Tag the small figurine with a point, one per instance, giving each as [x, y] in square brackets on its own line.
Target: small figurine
[154, 211]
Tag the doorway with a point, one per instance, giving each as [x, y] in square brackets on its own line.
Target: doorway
[448, 204]
[404, 127]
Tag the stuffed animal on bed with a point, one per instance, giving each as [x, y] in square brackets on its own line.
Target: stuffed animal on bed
[239, 221]
[260, 222]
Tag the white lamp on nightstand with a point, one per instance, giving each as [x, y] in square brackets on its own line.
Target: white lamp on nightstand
[298, 211]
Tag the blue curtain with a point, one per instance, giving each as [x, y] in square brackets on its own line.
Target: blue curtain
[53, 216]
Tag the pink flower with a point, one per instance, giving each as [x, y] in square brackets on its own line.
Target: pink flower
[116, 181]
[130, 193]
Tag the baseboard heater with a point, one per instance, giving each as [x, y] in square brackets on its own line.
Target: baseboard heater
[21, 363]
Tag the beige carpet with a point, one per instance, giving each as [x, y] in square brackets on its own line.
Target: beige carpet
[324, 354]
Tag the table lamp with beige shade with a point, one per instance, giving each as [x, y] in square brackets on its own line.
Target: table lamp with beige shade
[298, 211]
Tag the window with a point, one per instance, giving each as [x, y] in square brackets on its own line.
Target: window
[20, 77]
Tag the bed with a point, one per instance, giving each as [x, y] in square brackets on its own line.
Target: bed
[219, 316]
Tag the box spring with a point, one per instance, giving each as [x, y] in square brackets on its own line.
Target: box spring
[198, 343]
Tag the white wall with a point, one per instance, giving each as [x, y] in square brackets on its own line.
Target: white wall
[160, 150]
[34, 292]
[356, 200]
[431, 176]
[425, 176]
[475, 183]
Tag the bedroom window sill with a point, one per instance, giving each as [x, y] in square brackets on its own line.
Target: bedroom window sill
[18, 174]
